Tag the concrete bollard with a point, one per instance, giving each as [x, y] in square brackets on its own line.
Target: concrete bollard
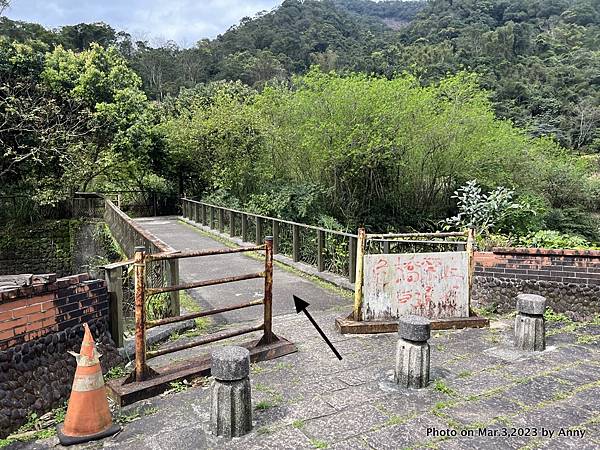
[412, 353]
[530, 332]
[231, 401]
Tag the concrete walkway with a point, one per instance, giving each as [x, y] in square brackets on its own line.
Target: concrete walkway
[185, 237]
[484, 394]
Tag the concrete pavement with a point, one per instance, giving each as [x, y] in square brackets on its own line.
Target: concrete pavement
[285, 283]
[484, 394]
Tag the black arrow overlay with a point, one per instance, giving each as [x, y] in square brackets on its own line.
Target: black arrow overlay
[301, 306]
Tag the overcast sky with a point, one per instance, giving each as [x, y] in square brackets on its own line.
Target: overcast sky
[184, 21]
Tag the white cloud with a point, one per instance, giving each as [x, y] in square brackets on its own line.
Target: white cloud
[184, 21]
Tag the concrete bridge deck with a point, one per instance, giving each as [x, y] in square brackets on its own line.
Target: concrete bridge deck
[182, 236]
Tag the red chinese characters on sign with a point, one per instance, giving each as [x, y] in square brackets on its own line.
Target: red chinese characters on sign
[433, 285]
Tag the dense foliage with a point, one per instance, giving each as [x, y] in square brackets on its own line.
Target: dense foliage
[540, 58]
[68, 119]
[388, 153]
[337, 112]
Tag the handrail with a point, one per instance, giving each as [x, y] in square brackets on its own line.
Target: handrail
[198, 253]
[204, 340]
[346, 265]
[409, 241]
[392, 236]
[343, 264]
[159, 243]
[205, 283]
[289, 222]
[142, 370]
[117, 264]
[197, 315]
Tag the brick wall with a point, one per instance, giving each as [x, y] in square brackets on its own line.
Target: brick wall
[30, 312]
[39, 324]
[569, 279]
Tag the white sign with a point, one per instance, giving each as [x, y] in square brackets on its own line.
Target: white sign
[433, 285]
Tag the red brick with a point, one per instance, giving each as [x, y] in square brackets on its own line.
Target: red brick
[42, 316]
[33, 326]
[20, 330]
[6, 334]
[13, 323]
[7, 315]
[13, 304]
[98, 291]
[47, 306]
[49, 322]
[44, 298]
[23, 312]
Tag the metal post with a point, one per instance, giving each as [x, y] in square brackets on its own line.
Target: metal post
[359, 262]
[173, 280]
[221, 220]
[258, 239]
[352, 259]
[114, 286]
[268, 337]
[295, 243]
[231, 223]
[211, 217]
[275, 237]
[202, 214]
[471, 261]
[141, 369]
[386, 247]
[244, 227]
[321, 250]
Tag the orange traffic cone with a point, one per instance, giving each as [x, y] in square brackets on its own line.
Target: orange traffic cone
[88, 416]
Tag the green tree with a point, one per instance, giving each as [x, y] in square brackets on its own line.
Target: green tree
[70, 120]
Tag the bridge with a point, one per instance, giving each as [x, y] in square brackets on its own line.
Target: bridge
[182, 236]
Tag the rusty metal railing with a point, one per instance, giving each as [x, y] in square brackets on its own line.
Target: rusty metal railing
[328, 250]
[142, 370]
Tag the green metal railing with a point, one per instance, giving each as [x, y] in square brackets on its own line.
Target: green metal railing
[327, 250]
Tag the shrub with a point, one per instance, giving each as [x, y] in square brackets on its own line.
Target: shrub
[482, 211]
[554, 239]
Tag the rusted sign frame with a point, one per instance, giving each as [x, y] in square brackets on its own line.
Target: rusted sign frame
[353, 324]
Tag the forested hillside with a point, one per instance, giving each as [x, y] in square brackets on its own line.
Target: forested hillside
[334, 112]
[540, 59]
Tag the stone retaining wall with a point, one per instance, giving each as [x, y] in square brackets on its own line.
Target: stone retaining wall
[569, 279]
[60, 246]
[39, 324]
[45, 247]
